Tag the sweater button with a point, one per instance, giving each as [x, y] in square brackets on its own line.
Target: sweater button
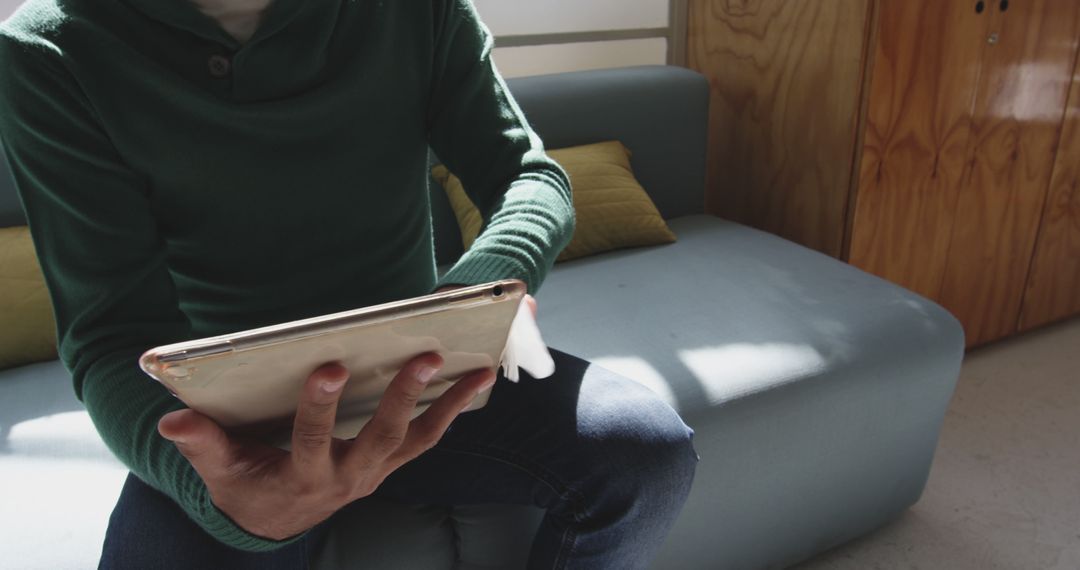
[219, 66]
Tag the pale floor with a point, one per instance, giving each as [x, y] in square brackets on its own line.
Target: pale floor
[1004, 490]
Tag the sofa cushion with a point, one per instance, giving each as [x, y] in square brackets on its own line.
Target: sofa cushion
[613, 211]
[780, 357]
[816, 390]
[55, 472]
[727, 312]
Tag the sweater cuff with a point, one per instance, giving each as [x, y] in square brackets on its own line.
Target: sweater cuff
[221, 527]
[477, 267]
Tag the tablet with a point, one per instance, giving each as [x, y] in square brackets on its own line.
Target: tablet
[250, 381]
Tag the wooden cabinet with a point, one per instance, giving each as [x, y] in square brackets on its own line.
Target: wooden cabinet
[785, 89]
[1053, 286]
[916, 136]
[920, 140]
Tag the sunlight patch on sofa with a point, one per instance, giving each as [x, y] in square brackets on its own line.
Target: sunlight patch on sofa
[55, 510]
[731, 371]
[70, 435]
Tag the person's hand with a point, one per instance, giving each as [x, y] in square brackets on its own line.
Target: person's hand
[277, 494]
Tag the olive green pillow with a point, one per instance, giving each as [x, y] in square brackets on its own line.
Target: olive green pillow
[27, 329]
[613, 211]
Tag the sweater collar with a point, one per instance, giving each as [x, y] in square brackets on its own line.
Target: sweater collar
[184, 15]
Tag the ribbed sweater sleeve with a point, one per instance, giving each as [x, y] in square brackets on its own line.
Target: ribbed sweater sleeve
[93, 226]
[477, 129]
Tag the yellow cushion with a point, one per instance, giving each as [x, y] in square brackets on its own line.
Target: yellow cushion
[613, 210]
[27, 330]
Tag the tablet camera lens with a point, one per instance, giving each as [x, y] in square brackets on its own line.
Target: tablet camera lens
[497, 291]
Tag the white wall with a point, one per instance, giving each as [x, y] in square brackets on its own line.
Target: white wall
[7, 7]
[519, 17]
[516, 17]
[538, 60]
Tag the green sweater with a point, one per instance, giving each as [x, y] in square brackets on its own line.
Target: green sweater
[179, 184]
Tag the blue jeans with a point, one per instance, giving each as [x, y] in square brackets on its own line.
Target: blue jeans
[610, 462]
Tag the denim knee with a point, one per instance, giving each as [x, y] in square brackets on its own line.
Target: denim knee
[640, 441]
[666, 458]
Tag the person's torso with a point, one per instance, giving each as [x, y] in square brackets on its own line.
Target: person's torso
[292, 166]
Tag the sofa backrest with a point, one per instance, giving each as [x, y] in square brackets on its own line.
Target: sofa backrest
[659, 112]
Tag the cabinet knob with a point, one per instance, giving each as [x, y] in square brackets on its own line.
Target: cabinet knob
[993, 38]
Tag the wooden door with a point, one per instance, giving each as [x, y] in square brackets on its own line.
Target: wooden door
[1053, 287]
[1018, 111]
[786, 79]
[916, 134]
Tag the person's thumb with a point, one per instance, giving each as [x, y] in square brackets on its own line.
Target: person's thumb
[199, 439]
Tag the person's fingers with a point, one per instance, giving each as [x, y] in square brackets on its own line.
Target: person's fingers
[386, 431]
[313, 425]
[531, 302]
[429, 427]
[200, 440]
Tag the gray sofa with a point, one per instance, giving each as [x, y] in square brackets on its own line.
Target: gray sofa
[816, 391]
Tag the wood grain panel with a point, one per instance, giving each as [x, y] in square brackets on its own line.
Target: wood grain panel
[786, 78]
[1053, 287]
[916, 134]
[1017, 114]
